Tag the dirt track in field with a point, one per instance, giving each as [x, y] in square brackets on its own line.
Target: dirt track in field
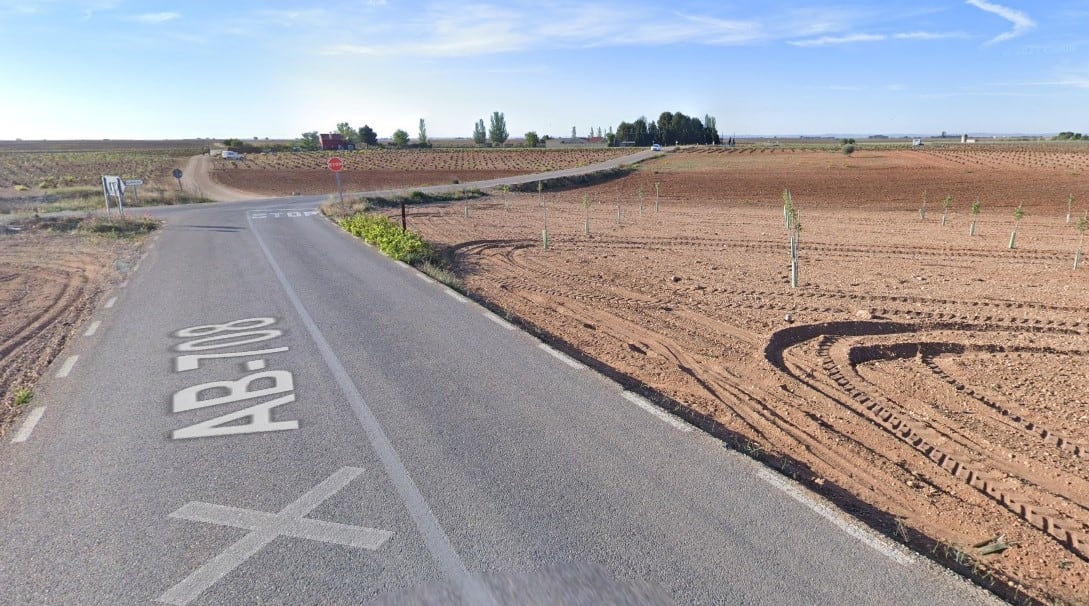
[930, 382]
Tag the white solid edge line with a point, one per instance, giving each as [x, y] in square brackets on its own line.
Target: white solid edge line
[67, 367]
[457, 296]
[646, 405]
[500, 321]
[892, 551]
[28, 425]
[559, 355]
[472, 589]
[110, 302]
[93, 328]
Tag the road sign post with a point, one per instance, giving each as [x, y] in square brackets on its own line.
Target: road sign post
[178, 175]
[114, 187]
[336, 165]
[135, 185]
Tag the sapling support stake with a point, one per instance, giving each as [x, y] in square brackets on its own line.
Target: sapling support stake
[618, 206]
[544, 207]
[586, 205]
[922, 211]
[1069, 208]
[640, 201]
[1082, 224]
[656, 195]
[976, 206]
[792, 218]
[1017, 216]
[945, 208]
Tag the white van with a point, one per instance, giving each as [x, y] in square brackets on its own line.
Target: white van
[232, 155]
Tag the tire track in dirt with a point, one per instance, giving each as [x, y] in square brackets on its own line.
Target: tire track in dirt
[49, 286]
[838, 361]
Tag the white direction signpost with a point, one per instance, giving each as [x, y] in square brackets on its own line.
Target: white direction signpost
[134, 184]
[114, 187]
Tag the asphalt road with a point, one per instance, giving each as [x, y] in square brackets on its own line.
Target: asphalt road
[270, 412]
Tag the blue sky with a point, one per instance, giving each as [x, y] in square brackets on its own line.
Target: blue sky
[125, 69]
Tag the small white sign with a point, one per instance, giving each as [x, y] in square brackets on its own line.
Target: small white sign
[114, 186]
[134, 182]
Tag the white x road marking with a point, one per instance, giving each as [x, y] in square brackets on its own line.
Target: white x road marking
[265, 527]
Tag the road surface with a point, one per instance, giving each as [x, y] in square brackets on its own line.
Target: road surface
[270, 412]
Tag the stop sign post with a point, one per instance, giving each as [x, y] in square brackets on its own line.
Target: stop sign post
[336, 165]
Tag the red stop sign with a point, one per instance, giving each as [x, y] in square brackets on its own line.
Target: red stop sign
[336, 164]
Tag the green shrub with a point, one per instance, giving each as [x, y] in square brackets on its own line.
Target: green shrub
[387, 236]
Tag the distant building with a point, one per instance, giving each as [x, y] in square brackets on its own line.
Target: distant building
[334, 141]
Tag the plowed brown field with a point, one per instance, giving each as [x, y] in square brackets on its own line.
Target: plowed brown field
[49, 284]
[930, 382]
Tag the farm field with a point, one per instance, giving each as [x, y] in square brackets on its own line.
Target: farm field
[930, 383]
[290, 173]
[50, 284]
[39, 167]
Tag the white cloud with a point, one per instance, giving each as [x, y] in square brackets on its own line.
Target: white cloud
[929, 35]
[154, 18]
[1021, 22]
[835, 40]
[855, 38]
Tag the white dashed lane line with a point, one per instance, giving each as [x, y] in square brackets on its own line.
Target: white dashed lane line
[562, 357]
[893, 552]
[93, 328]
[110, 302]
[646, 405]
[67, 367]
[500, 321]
[456, 296]
[28, 425]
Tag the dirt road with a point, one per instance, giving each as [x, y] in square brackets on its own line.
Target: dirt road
[197, 178]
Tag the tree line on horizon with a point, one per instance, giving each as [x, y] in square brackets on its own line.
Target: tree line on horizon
[671, 128]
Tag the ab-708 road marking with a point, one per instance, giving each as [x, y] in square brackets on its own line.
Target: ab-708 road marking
[278, 383]
[264, 527]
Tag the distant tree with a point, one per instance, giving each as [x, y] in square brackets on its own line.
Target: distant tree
[599, 132]
[545, 139]
[310, 141]
[479, 134]
[710, 124]
[368, 136]
[625, 131]
[653, 134]
[232, 143]
[849, 149]
[573, 135]
[532, 140]
[346, 131]
[423, 134]
[610, 138]
[642, 136]
[498, 131]
[665, 123]
[400, 138]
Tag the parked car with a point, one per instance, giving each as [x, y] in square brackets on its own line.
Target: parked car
[655, 147]
[232, 155]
